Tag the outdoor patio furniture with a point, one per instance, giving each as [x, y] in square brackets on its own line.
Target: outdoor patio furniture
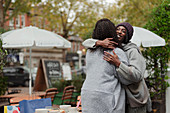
[4, 101]
[67, 97]
[16, 100]
[51, 93]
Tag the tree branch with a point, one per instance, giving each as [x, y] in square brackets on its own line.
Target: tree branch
[7, 4]
[70, 26]
[68, 13]
[62, 19]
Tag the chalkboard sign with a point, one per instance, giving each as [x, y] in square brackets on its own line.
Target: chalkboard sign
[52, 71]
[49, 71]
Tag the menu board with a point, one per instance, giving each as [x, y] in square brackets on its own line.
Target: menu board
[52, 71]
[49, 71]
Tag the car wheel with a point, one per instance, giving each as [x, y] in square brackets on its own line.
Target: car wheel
[26, 83]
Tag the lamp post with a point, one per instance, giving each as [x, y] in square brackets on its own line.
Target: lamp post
[80, 55]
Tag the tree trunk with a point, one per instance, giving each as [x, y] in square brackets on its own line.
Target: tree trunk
[65, 34]
[1, 14]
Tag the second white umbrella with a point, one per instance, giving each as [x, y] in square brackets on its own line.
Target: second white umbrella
[146, 38]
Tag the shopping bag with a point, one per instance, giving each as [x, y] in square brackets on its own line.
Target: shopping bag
[29, 106]
[11, 109]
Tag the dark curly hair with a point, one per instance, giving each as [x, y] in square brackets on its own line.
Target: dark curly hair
[104, 28]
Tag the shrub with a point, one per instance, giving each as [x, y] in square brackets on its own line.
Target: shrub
[61, 84]
[3, 80]
[158, 57]
[76, 81]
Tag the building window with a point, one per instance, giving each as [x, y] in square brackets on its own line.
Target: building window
[34, 23]
[78, 48]
[11, 22]
[23, 21]
[44, 25]
[75, 47]
[17, 20]
[39, 23]
[72, 47]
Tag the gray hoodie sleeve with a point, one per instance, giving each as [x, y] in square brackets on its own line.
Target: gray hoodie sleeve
[135, 71]
[124, 60]
[90, 43]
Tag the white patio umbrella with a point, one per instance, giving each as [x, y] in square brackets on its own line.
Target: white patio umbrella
[33, 37]
[146, 38]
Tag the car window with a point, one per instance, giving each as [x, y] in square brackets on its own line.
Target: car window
[20, 70]
[25, 71]
[9, 70]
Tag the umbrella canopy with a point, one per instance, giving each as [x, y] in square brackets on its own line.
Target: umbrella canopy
[146, 38]
[33, 37]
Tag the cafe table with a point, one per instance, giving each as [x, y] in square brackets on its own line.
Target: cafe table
[15, 98]
[10, 95]
[40, 94]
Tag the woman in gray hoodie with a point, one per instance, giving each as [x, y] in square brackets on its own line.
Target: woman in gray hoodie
[138, 98]
[102, 92]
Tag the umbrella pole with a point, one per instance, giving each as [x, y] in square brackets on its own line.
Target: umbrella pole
[30, 76]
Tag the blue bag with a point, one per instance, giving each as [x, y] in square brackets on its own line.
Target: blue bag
[29, 106]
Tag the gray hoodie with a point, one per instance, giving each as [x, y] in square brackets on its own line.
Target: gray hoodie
[137, 92]
[102, 89]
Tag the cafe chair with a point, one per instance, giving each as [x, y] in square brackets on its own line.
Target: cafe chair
[67, 97]
[51, 93]
[4, 102]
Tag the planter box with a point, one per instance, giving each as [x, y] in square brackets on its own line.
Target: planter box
[158, 106]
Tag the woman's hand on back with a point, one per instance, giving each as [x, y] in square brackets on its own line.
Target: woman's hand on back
[113, 59]
[106, 43]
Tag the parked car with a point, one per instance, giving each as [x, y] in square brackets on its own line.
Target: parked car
[16, 76]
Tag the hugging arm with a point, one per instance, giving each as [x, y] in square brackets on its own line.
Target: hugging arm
[106, 43]
[136, 68]
[122, 58]
[90, 43]
[132, 72]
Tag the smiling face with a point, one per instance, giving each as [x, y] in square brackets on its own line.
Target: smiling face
[121, 33]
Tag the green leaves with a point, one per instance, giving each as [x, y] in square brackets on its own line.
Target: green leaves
[135, 12]
[158, 57]
[69, 17]
[3, 85]
[3, 80]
